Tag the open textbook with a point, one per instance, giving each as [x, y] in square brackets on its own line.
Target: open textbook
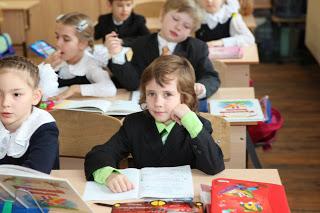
[237, 110]
[149, 182]
[24, 185]
[118, 107]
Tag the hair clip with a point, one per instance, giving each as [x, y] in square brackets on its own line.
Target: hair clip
[59, 17]
[82, 25]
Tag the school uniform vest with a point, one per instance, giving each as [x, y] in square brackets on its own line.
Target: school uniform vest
[219, 32]
[72, 81]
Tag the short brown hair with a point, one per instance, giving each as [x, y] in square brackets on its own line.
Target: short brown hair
[82, 23]
[19, 63]
[191, 7]
[164, 66]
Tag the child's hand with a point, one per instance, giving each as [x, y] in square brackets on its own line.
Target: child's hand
[54, 59]
[179, 111]
[199, 89]
[119, 183]
[215, 43]
[113, 43]
[72, 90]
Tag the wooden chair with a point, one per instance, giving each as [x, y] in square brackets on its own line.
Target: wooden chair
[221, 133]
[148, 8]
[221, 68]
[79, 132]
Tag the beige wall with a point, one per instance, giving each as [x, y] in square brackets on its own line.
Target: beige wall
[42, 16]
[313, 28]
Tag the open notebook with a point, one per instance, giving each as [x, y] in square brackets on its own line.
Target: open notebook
[25, 185]
[150, 183]
[118, 107]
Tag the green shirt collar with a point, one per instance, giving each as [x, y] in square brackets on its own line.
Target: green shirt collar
[162, 126]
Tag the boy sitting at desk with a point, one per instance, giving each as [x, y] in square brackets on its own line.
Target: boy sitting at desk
[122, 20]
[167, 133]
[179, 19]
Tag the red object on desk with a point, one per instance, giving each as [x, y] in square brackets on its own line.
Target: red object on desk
[238, 196]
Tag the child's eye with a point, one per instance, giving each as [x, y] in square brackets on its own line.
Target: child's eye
[175, 18]
[167, 94]
[187, 27]
[150, 94]
[16, 94]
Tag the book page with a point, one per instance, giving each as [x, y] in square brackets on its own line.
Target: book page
[135, 96]
[95, 191]
[166, 182]
[121, 107]
[9, 169]
[92, 105]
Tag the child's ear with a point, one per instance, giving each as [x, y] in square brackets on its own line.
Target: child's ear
[83, 44]
[36, 98]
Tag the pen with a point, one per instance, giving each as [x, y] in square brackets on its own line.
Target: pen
[104, 204]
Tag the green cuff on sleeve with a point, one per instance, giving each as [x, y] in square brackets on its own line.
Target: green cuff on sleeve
[101, 175]
[192, 123]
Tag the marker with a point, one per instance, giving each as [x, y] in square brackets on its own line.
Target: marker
[104, 204]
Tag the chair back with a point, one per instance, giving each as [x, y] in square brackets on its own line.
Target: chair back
[80, 131]
[221, 68]
[221, 133]
[148, 8]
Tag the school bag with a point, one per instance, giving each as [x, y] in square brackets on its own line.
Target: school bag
[264, 133]
[6, 47]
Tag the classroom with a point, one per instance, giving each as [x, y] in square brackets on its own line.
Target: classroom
[103, 67]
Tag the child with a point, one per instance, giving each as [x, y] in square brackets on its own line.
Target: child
[121, 20]
[179, 19]
[167, 133]
[223, 25]
[28, 135]
[77, 69]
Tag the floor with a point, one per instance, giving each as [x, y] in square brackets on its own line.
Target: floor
[294, 90]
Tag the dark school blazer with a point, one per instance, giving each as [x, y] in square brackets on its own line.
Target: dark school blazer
[145, 50]
[140, 137]
[131, 28]
[43, 151]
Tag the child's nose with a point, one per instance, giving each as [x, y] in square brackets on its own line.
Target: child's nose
[158, 100]
[5, 102]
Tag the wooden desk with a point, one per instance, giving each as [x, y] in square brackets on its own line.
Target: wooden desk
[77, 179]
[238, 70]
[238, 131]
[17, 12]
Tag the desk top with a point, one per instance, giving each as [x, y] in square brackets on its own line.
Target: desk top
[18, 5]
[250, 56]
[77, 179]
[233, 93]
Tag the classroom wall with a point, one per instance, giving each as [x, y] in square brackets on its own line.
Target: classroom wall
[42, 16]
[313, 28]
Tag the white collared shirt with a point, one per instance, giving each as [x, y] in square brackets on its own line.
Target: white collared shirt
[101, 84]
[240, 35]
[15, 144]
[164, 43]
